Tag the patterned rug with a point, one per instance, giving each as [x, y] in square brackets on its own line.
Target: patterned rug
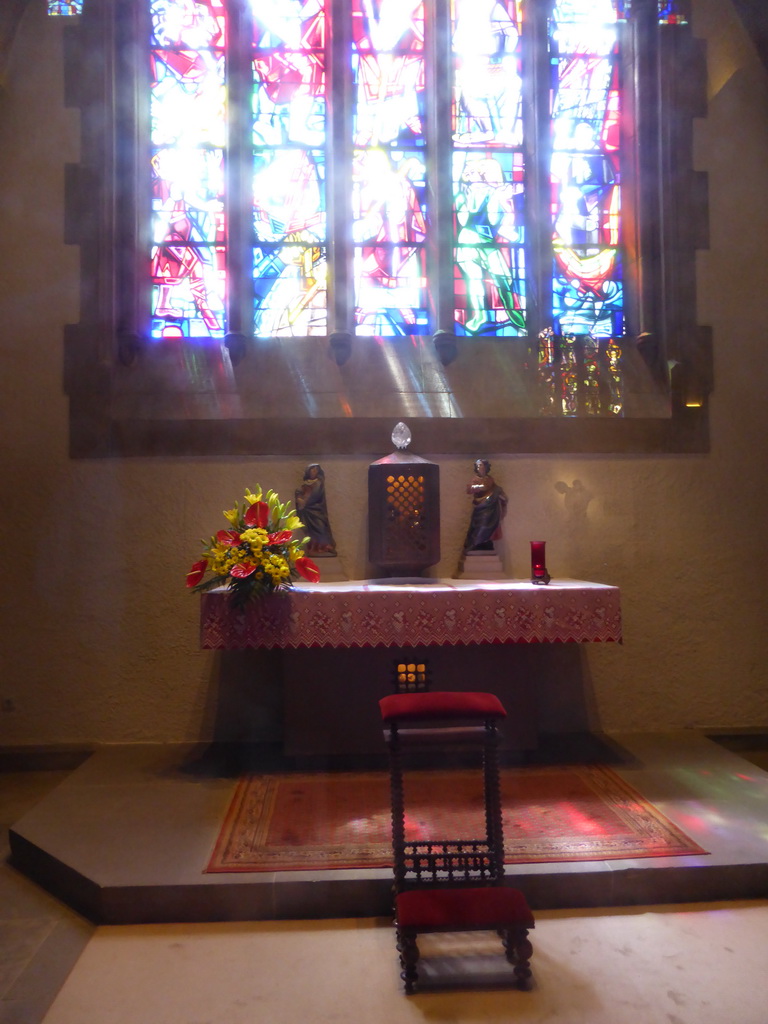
[318, 821]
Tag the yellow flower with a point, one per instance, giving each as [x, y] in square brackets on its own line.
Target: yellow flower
[296, 548]
[232, 515]
[255, 536]
[251, 498]
[293, 523]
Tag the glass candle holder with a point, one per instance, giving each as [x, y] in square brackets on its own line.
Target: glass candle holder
[539, 572]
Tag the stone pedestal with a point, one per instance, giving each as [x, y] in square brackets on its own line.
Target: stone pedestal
[481, 565]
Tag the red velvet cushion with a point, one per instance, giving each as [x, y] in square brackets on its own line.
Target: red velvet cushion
[488, 907]
[440, 704]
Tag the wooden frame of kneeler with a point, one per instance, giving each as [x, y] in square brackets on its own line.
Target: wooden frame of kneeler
[448, 884]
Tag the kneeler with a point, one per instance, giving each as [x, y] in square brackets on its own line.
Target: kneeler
[451, 885]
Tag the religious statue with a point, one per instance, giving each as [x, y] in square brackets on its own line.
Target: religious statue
[313, 511]
[489, 506]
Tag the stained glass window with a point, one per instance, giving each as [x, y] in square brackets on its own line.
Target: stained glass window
[389, 171]
[488, 168]
[188, 132]
[587, 287]
[316, 165]
[671, 13]
[65, 7]
[289, 168]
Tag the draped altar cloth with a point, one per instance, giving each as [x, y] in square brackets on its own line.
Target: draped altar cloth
[434, 613]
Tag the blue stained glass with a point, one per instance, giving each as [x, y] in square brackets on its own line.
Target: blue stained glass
[588, 12]
[591, 300]
[65, 8]
[490, 275]
[389, 202]
[289, 290]
[490, 291]
[488, 171]
[289, 134]
[671, 13]
[289, 228]
[584, 169]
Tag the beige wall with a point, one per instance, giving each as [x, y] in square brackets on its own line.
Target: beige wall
[99, 636]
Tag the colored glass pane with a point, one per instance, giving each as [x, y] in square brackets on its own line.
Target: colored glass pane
[490, 260]
[585, 170]
[65, 8]
[579, 375]
[187, 132]
[488, 168]
[289, 230]
[389, 210]
[671, 13]
[487, 105]
[289, 289]
[389, 228]
[289, 136]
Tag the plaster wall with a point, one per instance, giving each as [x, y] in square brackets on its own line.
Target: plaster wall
[100, 637]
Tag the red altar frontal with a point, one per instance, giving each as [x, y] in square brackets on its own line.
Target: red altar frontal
[345, 645]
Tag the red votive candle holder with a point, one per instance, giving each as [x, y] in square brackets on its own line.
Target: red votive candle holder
[539, 572]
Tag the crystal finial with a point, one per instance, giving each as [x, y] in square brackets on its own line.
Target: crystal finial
[401, 436]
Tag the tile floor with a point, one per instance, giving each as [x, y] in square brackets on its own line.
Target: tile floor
[646, 965]
[40, 938]
[682, 964]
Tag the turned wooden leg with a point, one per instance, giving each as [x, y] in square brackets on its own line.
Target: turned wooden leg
[409, 958]
[519, 952]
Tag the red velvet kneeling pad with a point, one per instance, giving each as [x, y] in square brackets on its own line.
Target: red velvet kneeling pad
[488, 907]
[440, 704]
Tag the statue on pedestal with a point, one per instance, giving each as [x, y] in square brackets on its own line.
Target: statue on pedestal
[489, 506]
[313, 511]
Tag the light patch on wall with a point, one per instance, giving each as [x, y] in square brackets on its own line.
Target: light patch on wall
[734, 50]
[576, 498]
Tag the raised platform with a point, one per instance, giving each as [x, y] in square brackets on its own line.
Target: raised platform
[126, 837]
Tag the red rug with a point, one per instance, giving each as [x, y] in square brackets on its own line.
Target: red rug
[342, 820]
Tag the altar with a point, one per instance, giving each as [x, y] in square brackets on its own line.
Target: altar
[345, 645]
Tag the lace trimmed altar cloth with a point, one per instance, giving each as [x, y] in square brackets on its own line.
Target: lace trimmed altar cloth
[434, 613]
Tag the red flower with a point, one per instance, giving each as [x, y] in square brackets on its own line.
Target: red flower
[196, 573]
[280, 538]
[243, 570]
[257, 515]
[230, 537]
[306, 567]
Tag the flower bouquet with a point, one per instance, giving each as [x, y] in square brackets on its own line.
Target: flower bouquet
[258, 554]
